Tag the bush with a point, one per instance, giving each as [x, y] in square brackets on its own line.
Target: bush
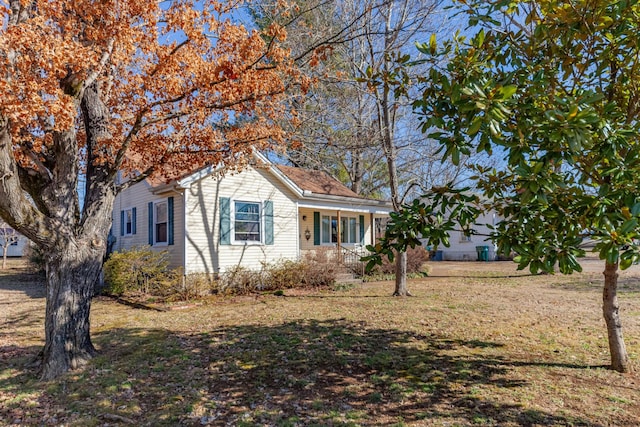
[283, 274]
[320, 268]
[145, 271]
[416, 257]
[35, 258]
[315, 269]
[238, 281]
[194, 285]
[139, 270]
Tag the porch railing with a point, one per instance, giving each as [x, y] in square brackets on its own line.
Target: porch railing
[350, 258]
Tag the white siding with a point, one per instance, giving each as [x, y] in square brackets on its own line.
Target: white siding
[463, 248]
[17, 249]
[138, 196]
[205, 253]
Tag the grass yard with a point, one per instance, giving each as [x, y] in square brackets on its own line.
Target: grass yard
[477, 344]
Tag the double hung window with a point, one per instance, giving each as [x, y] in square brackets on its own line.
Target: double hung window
[247, 222]
[128, 222]
[161, 219]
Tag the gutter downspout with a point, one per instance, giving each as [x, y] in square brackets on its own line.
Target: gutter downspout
[298, 234]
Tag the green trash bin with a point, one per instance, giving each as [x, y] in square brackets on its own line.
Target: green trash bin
[483, 253]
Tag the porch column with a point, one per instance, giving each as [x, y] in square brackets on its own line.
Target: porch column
[338, 231]
[338, 250]
[373, 228]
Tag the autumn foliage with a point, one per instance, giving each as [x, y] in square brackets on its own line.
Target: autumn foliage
[178, 82]
[94, 89]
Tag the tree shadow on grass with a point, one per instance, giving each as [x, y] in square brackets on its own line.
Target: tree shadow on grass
[299, 373]
[595, 282]
[31, 284]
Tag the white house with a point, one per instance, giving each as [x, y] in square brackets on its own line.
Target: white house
[211, 221]
[464, 247]
[14, 241]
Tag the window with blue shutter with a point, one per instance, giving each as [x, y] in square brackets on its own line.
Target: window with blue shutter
[128, 222]
[245, 222]
[161, 222]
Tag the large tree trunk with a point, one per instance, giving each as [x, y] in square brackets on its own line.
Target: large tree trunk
[610, 309]
[71, 273]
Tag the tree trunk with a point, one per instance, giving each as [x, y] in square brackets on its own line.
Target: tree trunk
[4, 257]
[72, 271]
[610, 309]
[401, 276]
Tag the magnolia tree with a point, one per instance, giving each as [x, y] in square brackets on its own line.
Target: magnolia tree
[93, 88]
[552, 87]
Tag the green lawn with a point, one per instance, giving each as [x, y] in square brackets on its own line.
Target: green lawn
[477, 344]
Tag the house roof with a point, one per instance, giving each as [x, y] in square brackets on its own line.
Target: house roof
[313, 188]
[318, 182]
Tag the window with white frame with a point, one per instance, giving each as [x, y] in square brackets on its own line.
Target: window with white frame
[348, 229]
[160, 219]
[247, 222]
[128, 222]
[329, 229]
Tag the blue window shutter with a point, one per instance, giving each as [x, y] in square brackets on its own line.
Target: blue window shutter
[170, 220]
[268, 222]
[362, 229]
[134, 219]
[122, 223]
[151, 223]
[225, 221]
[316, 228]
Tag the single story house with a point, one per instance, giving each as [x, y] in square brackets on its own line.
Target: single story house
[464, 247]
[213, 220]
[15, 242]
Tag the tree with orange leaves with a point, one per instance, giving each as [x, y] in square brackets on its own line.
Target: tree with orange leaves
[90, 88]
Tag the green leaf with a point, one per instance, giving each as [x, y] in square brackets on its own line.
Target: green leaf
[475, 126]
[455, 156]
[480, 38]
[628, 226]
[507, 91]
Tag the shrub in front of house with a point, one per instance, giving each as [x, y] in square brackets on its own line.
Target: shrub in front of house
[139, 270]
[416, 257]
[284, 274]
[314, 270]
[320, 268]
[237, 281]
[143, 271]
